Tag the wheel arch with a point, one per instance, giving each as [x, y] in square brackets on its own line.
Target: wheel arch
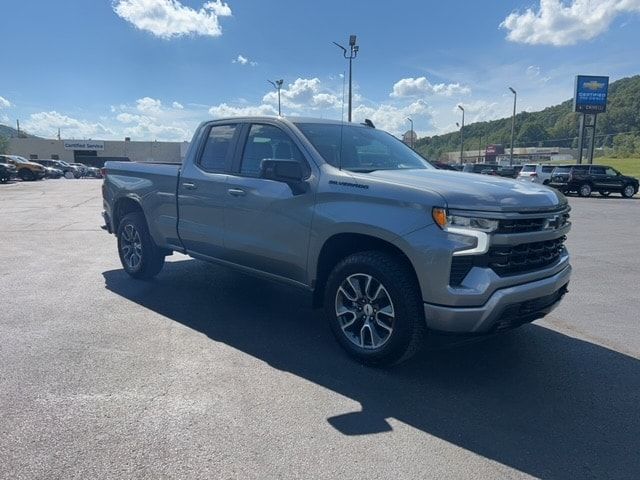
[341, 245]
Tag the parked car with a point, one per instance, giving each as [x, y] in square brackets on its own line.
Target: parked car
[7, 172]
[537, 173]
[585, 179]
[27, 170]
[485, 168]
[508, 171]
[444, 166]
[82, 168]
[389, 245]
[51, 172]
[69, 171]
[93, 172]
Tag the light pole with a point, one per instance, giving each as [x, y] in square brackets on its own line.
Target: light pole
[411, 122]
[461, 134]
[277, 85]
[353, 53]
[513, 124]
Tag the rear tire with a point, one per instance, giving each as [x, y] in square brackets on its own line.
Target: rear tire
[628, 191]
[139, 255]
[380, 321]
[584, 190]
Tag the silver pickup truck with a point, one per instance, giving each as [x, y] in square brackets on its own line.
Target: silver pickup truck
[392, 248]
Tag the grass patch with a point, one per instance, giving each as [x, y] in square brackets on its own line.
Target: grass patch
[627, 166]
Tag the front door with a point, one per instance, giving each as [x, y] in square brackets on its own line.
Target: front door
[268, 222]
[202, 192]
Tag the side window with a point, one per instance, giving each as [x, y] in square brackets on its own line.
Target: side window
[547, 169]
[597, 170]
[611, 172]
[217, 153]
[266, 141]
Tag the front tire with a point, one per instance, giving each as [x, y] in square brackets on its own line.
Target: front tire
[139, 255]
[628, 191]
[585, 190]
[374, 307]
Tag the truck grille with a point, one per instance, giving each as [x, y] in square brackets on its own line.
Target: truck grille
[508, 260]
[533, 224]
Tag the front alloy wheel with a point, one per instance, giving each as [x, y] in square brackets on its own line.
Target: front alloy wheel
[628, 191]
[365, 311]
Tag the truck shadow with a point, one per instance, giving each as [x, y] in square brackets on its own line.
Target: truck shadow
[536, 400]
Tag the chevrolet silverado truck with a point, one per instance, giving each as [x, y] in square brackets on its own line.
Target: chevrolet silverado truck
[391, 248]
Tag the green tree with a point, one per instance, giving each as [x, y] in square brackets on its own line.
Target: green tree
[531, 133]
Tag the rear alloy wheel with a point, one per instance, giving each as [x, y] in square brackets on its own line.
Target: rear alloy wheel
[585, 190]
[139, 255]
[628, 191]
[374, 307]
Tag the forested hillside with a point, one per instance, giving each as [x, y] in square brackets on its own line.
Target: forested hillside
[618, 128]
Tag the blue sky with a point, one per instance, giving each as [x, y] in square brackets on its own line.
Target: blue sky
[153, 69]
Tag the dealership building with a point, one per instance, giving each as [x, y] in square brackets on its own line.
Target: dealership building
[96, 152]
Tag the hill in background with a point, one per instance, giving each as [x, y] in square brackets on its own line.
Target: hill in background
[618, 128]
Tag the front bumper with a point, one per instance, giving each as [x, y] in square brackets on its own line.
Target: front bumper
[507, 307]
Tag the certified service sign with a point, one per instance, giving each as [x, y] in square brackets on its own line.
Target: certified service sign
[83, 145]
[590, 94]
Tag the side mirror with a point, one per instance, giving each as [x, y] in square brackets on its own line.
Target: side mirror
[286, 171]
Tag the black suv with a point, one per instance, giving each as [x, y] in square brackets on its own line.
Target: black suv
[585, 179]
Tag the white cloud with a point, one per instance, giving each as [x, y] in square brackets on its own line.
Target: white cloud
[304, 92]
[533, 72]
[169, 18]
[177, 106]
[419, 87]
[4, 119]
[4, 103]
[223, 110]
[392, 118]
[558, 23]
[46, 124]
[481, 110]
[242, 60]
[149, 105]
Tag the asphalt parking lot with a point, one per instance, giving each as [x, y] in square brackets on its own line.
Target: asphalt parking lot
[204, 373]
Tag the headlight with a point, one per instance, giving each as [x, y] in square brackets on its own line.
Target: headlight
[476, 227]
[447, 221]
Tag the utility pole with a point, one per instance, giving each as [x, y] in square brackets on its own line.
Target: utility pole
[461, 134]
[277, 85]
[411, 122]
[513, 124]
[18, 125]
[480, 148]
[353, 53]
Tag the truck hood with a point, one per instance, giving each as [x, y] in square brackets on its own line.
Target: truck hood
[472, 191]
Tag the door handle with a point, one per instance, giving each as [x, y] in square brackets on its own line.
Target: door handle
[189, 185]
[237, 192]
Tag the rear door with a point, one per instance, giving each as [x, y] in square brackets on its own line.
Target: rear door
[598, 177]
[268, 222]
[202, 191]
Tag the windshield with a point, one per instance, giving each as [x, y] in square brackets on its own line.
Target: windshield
[64, 164]
[529, 168]
[18, 159]
[361, 149]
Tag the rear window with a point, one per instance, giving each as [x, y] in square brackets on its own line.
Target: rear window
[529, 168]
